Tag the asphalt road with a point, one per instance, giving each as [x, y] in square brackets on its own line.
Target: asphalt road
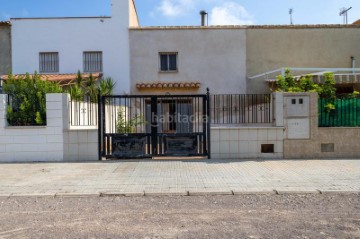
[239, 216]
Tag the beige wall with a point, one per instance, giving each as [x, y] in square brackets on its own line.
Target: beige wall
[221, 58]
[214, 57]
[272, 48]
[5, 49]
[134, 20]
[345, 140]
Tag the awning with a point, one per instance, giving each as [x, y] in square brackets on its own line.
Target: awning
[341, 75]
[339, 78]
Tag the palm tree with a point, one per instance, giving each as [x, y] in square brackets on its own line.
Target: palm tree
[79, 79]
[107, 86]
[91, 89]
[76, 93]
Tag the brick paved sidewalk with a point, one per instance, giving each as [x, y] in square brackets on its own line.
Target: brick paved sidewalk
[179, 177]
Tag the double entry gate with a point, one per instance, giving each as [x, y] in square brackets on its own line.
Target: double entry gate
[153, 126]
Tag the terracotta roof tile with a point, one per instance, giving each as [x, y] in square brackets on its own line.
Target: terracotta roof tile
[357, 22]
[7, 23]
[62, 79]
[168, 85]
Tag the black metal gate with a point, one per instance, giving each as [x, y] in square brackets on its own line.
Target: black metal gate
[146, 126]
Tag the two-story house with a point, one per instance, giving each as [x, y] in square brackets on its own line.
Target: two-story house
[66, 45]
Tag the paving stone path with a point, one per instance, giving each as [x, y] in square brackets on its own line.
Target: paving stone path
[136, 178]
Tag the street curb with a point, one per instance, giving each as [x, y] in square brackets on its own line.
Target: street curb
[214, 193]
[338, 192]
[77, 195]
[111, 194]
[185, 193]
[5, 195]
[134, 194]
[14, 195]
[160, 194]
[267, 192]
[285, 192]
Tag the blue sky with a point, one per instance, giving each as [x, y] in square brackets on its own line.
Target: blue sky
[186, 12]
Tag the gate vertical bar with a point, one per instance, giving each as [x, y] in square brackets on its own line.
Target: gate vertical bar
[154, 125]
[204, 126]
[208, 121]
[103, 105]
[99, 126]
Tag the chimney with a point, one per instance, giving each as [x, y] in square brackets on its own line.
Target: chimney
[203, 14]
[353, 64]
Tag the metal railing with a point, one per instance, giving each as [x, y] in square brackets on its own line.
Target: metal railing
[241, 109]
[225, 109]
[83, 113]
[341, 112]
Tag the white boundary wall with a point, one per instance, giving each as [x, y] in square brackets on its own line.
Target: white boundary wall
[54, 142]
[233, 142]
[59, 142]
[244, 141]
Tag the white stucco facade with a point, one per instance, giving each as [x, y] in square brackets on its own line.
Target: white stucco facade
[70, 37]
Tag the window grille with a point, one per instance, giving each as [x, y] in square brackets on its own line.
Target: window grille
[168, 61]
[93, 62]
[49, 62]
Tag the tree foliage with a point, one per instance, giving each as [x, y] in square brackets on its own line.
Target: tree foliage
[289, 83]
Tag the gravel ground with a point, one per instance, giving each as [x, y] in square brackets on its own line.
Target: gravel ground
[242, 216]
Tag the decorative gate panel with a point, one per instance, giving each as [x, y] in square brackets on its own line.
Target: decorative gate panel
[152, 126]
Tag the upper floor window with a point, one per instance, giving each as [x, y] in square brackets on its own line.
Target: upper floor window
[93, 61]
[49, 62]
[168, 61]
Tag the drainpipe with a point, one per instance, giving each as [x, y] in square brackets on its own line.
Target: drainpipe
[353, 63]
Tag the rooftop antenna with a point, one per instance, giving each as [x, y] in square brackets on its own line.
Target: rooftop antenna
[291, 11]
[344, 14]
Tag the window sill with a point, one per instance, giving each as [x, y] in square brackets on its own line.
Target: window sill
[169, 71]
[26, 127]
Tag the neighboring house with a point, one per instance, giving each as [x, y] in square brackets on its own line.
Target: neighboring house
[225, 58]
[5, 49]
[299, 46]
[58, 46]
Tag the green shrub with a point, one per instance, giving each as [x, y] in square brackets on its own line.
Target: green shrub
[28, 99]
[124, 125]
